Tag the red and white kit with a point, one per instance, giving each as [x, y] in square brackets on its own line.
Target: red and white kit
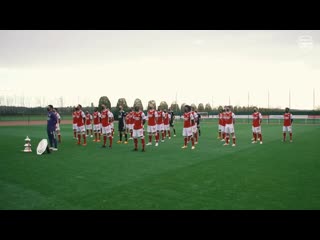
[228, 118]
[187, 124]
[138, 118]
[152, 121]
[88, 121]
[166, 121]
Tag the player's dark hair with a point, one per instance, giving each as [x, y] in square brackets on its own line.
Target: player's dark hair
[50, 106]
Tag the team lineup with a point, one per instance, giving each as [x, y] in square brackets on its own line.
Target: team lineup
[159, 124]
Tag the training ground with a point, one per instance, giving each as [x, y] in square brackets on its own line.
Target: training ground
[274, 175]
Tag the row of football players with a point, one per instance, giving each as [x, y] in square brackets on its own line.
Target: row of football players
[159, 123]
[227, 121]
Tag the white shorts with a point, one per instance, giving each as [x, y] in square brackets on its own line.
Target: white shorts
[137, 133]
[89, 127]
[130, 127]
[221, 128]
[229, 128]
[287, 128]
[96, 127]
[187, 132]
[111, 125]
[256, 129]
[166, 127]
[74, 126]
[106, 130]
[160, 127]
[152, 129]
[81, 129]
[58, 127]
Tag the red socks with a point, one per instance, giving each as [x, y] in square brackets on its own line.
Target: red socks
[135, 143]
[110, 140]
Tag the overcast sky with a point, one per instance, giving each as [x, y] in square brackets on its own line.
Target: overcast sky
[196, 66]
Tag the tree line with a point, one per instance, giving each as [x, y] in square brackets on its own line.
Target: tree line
[177, 109]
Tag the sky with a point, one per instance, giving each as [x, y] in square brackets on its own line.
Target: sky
[41, 67]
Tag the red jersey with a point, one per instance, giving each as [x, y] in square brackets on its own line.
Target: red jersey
[105, 115]
[138, 118]
[74, 117]
[131, 120]
[287, 119]
[167, 118]
[160, 117]
[256, 119]
[96, 117]
[151, 117]
[79, 118]
[221, 119]
[187, 117]
[88, 119]
[228, 117]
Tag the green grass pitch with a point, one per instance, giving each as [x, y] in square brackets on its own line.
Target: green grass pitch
[274, 175]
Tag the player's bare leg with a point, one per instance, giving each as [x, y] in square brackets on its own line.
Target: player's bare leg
[284, 136]
[87, 132]
[290, 133]
[74, 134]
[169, 134]
[91, 133]
[162, 134]
[219, 135]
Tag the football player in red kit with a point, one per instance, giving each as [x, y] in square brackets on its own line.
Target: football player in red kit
[139, 120]
[287, 124]
[187, 126]
[256, 125]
